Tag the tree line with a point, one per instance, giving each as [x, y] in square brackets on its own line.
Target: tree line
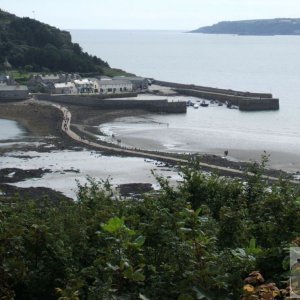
[34, 46]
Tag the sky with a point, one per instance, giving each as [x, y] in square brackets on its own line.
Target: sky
[148, 14]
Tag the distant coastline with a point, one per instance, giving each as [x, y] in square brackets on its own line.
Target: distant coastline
[266, 27]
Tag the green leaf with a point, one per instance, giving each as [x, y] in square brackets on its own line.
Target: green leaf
[184, 229]
[138, 276]
[252, 244]
[113, 225]
[185, 297]
[197, 212]
[142, 297]
[139, 241]
[114, 268]
[128, 273]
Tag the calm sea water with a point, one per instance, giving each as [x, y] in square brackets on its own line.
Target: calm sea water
[10, 130]
[258, 64]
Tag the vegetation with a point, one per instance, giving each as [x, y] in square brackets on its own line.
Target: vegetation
[33, 46]
[254, 27]
[195, 242]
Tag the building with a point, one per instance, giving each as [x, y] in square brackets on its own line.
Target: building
[48, 78]
[103, 77]
[3, 78]
[7, 79]
[13, 92]
[85, 86]
[139, 84]
[114, 86]
[45, 83]
[65, 88]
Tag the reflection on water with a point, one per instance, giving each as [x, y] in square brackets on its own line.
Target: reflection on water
[10, 130]
[205, 130]
[67, 167]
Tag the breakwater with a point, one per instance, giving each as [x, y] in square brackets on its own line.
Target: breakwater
[246, 101]
[156, 106]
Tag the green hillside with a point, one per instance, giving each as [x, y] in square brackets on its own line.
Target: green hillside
[34, 46]
[254, 27]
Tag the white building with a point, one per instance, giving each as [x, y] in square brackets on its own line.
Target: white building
[139, 84]
[65, 88]
[114, 86]
[85, 86]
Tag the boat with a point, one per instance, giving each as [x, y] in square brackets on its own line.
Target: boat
[203, 104]
[196, 105]
[230, 105]
[189, 103]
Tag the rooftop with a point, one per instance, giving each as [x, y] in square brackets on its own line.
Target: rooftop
[50, 77]
[103, 77]
[133, 78]
[63, 85]
[83, 81]
[113, 82]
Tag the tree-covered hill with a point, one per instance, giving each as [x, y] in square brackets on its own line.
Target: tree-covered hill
[254, 27]
[35, 46]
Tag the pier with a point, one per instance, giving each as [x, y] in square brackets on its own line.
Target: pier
[155, 106]
[246, 101]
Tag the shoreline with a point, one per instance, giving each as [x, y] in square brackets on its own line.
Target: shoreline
[43, 123]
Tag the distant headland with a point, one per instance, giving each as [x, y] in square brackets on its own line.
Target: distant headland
[264, 27]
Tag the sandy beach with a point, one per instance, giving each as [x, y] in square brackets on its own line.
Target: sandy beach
[47, 162]
[50, 151]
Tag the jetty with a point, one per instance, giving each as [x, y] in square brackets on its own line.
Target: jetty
[123, 101]
[246, 101]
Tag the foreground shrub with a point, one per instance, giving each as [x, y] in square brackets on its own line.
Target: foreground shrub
[197, 241]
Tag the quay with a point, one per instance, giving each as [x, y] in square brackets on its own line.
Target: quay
[246, 101]
[121, 102]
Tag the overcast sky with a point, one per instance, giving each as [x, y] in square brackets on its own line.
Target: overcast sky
[148, 14]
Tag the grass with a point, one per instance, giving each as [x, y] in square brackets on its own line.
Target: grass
[22, 76]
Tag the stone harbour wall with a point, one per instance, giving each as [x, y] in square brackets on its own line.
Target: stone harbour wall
[246, 101]
[157, 106]
[212, 90]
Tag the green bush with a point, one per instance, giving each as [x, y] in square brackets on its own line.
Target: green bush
[195, 242]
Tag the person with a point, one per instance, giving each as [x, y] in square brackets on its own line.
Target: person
[225, 152]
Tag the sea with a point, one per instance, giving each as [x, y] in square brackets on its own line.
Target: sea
[10, 130]
[249, 63]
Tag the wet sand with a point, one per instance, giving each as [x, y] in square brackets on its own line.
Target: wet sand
[44, 136]
[44, 122]
[47, 158]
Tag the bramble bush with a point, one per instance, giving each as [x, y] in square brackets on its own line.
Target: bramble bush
[197, 241]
